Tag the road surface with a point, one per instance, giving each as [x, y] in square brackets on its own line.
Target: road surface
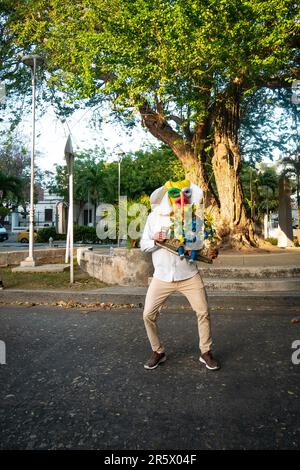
[75, 380]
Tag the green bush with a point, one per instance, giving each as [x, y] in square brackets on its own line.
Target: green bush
[81, 234]
[44, 234]
[85, 234]
[272, 240]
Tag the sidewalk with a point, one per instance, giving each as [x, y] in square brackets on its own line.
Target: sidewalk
[272, 275]
[280, 257]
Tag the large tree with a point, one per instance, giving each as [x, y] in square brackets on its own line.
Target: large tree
[15, 164]
[184, 65]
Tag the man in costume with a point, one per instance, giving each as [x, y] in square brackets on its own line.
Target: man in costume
[173, 272]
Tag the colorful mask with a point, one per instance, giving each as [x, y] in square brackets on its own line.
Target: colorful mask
[179, 192]
[175, 194]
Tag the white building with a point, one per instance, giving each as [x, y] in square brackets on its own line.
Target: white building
[82, 216]
[45, 210]
[273, 225]
[52, 211]
[44, 213]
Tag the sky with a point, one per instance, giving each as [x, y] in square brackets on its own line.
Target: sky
[51, 136]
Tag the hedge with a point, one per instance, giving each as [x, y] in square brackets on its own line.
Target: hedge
[81, 234]
[44, 234]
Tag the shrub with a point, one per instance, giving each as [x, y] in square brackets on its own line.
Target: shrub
[81, 234]
[272, 240]
[44, 234]
[85, 234]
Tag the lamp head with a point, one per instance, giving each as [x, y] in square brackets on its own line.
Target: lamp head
[29, 60]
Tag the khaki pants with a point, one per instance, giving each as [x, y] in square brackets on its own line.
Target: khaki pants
[193, 289]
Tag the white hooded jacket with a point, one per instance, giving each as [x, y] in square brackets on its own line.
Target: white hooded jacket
[168, 267]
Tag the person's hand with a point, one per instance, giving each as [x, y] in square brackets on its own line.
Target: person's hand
[159, 236]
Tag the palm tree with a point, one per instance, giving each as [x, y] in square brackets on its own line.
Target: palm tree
[10, 185]
[93, 183]
[267, 190]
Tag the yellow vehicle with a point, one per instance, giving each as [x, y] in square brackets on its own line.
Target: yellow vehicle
[23, 236]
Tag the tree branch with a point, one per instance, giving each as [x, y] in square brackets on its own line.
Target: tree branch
[184, 124]
[161, 129]
[194, 167]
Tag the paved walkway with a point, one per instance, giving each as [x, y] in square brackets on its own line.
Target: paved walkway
[283, 257]
[231, 274]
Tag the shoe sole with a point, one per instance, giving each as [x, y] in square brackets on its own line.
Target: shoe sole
[207, 366]
[163, 359]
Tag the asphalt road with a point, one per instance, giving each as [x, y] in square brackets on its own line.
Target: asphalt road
[76, 380]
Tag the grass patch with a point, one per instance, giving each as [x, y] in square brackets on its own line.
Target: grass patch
[34, 281]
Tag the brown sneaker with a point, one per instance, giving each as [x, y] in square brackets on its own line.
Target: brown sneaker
[209, 361]
[154, 360]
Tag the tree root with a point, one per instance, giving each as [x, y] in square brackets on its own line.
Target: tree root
[238, 238]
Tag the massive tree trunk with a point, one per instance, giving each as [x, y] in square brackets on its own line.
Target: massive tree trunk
[189, 154]
[233, 225]
[227, 207]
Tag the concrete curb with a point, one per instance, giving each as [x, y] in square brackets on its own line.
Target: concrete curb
[284, 285]
[42, 256]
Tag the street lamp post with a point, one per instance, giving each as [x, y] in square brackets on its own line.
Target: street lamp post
[69, 156]
[120, 154]
[32, 61]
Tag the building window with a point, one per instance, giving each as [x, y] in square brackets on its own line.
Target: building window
[48, 215]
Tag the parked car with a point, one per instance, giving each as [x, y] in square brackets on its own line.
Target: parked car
[3, 233]
[23, 236]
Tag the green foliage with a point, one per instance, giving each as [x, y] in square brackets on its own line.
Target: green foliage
[177, 59]
[260, 189]
[141, 173]
[146, 170]
[209, 230]
[11, 187]
[292, 166]
[14, 157]
[15, 162]
[272, 240]
[4, 211]
[81, 234]
[44, 234]
[85, 234]
[88, 178]
[145, 200]
[176, 53]
[265, 124]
